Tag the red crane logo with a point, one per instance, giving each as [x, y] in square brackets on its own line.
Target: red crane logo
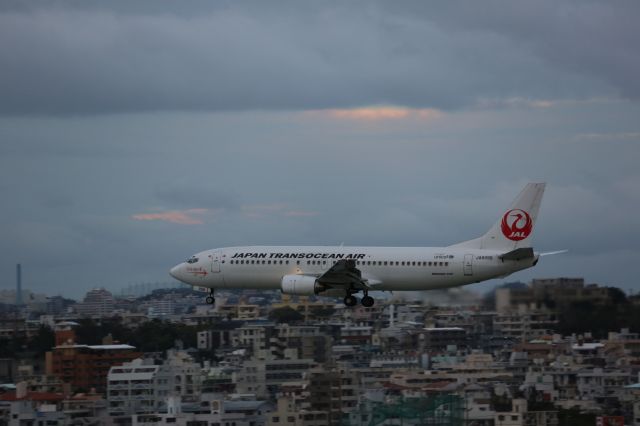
[516, 224]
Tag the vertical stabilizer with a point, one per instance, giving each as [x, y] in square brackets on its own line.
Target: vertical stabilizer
[514, 228]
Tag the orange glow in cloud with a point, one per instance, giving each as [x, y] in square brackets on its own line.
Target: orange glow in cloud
[182, 217]
[381, 113]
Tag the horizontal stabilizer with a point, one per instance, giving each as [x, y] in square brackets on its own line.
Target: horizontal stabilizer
[551, 253]
[518, 254]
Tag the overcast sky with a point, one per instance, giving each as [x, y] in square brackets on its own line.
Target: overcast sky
[133, 135]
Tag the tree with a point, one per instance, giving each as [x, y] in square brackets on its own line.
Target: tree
[157, 336]
[285, 314]
[618, 297]
[43, 341]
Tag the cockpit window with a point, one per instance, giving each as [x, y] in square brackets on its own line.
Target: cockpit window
[192, 259]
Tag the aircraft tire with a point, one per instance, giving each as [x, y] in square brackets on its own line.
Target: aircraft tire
[367, 301]
[210, 300]
[350, 300]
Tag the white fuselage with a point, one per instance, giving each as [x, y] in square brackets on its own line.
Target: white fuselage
[384, 268]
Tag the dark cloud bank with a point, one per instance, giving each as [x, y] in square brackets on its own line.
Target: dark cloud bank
[104, 57]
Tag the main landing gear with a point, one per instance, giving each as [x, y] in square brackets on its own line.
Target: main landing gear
[367, 301]
[350, 300]
[210, 299]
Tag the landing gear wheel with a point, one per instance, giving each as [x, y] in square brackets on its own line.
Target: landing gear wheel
[210, 300]
[367, 301]
[350, 300]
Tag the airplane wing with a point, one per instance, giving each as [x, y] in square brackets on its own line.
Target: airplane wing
[343, 274]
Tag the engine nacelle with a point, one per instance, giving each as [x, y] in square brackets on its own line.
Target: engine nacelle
[301, 285]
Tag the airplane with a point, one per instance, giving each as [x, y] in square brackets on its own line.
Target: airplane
[341, 271]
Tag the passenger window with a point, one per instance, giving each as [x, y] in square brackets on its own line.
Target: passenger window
[385, 263]
[286, 261]
[297, 262]
[269, 262]
[446, 263]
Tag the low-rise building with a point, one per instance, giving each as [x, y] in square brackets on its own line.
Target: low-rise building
[86, 367]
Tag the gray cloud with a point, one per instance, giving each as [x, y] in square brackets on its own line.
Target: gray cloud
[222, 131]
[196, 196]
[75, 58]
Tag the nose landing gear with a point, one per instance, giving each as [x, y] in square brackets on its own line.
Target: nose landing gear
[210, 299]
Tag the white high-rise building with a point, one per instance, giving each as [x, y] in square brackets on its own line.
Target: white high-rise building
[97, 303]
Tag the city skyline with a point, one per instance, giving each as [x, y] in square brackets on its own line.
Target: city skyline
[135, 136]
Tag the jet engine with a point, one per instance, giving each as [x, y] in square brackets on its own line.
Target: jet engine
[301, 285]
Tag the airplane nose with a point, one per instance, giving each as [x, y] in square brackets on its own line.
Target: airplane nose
[175, 272]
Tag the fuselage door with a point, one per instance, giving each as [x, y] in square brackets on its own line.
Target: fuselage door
[467, 266]
[215, 261]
